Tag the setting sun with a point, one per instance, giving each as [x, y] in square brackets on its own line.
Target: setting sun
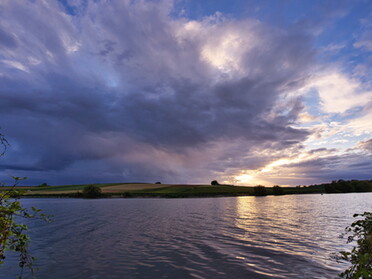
[244, 178]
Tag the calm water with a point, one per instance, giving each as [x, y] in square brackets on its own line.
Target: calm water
[243, 237]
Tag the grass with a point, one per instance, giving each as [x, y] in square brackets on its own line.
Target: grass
[197, 190]
[67, 187]
[160, 190]
[63, 188]
[139, 190]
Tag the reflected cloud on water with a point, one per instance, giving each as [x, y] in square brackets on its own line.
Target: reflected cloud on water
[242, 237]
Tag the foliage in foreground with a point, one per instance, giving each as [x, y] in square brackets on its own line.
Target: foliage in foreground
[13, 235]
[360, 256]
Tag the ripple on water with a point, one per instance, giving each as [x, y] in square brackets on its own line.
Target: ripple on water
[244, 237]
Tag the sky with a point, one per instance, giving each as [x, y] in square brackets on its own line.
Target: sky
[246, 92]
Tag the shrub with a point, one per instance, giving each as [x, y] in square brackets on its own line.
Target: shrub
[259, 190]
[127, 195]
[92, 192]
[277, 190]
[360, 256]
[214, 183]
[342, 186]
[13, 235]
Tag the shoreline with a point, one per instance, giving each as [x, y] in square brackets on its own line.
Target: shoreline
[158, 190]
[168, 196]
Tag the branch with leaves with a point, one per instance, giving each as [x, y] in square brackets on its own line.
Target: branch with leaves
[360, 256]
[13, 235]
[3, 143]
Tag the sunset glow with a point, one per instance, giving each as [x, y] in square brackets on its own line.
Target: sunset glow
[252, 92]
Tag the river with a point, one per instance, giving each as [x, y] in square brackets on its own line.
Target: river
[288, 236]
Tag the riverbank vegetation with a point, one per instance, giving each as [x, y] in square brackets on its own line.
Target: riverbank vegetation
[360, 257]
[128, 190]
[92, 192]
[13, 235]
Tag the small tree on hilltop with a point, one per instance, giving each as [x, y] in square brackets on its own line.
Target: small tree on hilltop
[215, 183]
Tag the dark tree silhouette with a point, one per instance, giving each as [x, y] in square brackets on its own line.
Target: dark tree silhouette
[92, 192]
[259, 190]
[277, 190]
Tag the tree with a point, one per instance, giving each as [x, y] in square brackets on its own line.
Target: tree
[214, 183]
[92, 192]
[345, 186]
[3, 143]
[360, 256]
[13, 235]
[259, 190]
[277, 190]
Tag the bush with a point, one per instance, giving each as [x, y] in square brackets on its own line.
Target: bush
[277, 190]
[360, 256]
[215, 183]
[92, 192]
[158, 182]
[342, 186]
[127, 195]
[259, 190]
[13, 235]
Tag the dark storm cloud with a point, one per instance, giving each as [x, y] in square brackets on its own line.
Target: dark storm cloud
[126, 88]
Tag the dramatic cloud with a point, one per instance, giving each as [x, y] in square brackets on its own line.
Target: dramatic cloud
[367, 145]
[128, 91]
[338, 93]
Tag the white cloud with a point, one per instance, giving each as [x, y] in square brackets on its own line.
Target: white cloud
[361, 125]
[365, 41]
[367, 44]
[15, 64]
[339, 93]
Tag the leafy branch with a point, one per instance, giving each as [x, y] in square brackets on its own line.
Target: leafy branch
[360, 256]
[13, 235]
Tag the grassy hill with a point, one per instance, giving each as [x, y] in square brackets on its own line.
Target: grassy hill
[185, 190]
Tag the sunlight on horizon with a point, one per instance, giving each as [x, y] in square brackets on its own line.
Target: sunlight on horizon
[244, 178]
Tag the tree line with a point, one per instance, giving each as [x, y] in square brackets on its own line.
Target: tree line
[344, 186]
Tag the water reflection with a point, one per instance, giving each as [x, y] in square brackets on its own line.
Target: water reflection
[302, 230]
[245, 237]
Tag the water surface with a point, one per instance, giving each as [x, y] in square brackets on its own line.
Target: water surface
[236, 237]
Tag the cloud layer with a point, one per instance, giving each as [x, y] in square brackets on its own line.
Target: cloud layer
[130, 92]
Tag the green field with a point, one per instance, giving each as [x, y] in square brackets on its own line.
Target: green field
[194, 190]
[183, 190]
[66, 187]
